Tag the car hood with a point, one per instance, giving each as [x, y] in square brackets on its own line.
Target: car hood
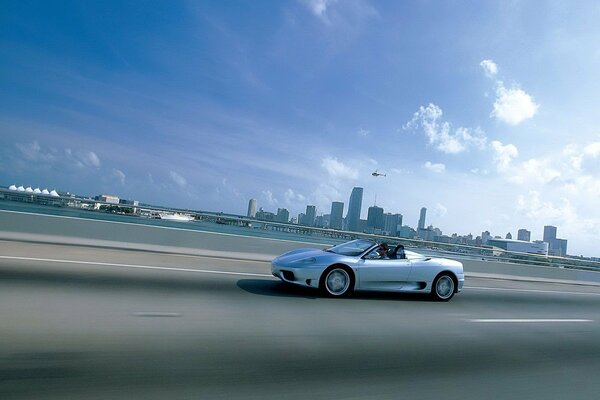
[299, 254]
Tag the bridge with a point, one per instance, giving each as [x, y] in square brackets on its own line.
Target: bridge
[102, 309]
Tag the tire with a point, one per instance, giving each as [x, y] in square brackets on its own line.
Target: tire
[443, 287]
[337, 281]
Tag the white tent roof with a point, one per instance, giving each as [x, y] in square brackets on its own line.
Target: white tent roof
[12, 187]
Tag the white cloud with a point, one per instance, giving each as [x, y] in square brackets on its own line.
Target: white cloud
[290, 197]
[490, 67]
[347, 15]
[89, 159]
[119, 175]
[534, 170]
[178, 179]
[336, 169]
[319, 8]
[438, 168]
[440, 210]
[513, 106]
[592, 149]
[503, 154]
[34, 152]
[268, 196]
[364, 132]
[532, 206]
[440, 132]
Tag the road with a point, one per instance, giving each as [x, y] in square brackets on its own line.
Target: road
[79, 322]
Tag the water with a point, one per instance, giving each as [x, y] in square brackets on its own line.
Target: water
[192, 225]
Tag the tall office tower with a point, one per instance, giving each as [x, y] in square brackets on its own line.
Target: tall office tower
[485, 236]
[524, 234]
[549, 234]
[392, 223]
[560, 247]
[311, 214]
[422, 218]
[337, 215]
[375, 218]
[283, 215]
[354, 207]
[252, 208]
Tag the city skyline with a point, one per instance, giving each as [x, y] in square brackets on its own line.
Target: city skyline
[380, 222]
[482, 113]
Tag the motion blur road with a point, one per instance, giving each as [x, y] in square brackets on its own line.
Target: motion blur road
[80, 322]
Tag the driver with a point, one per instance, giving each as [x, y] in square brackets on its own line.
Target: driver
[382, 250]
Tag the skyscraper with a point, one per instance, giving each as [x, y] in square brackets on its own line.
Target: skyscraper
[283, 215]
[549, 234]
[252, 208]
[524, 234]
[311, 214]
[354, 207]
[392, 223]
[422, 218]
[337, 215]
[375, 218]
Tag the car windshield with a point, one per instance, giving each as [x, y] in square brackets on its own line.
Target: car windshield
[352, 248]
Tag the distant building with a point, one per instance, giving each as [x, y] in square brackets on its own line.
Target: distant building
[560, 247]
[392, 223]
[422, 218]
[107, 198]
[549, 233]
[520, 246]
[283, 215]
[556, 247]
[375, 220]
[509, 235]
[252, 208]
[524, 235]
[311, 214]
[265, 215]
[485, 237]
[336, 220]
[354, 207]
[407, 232]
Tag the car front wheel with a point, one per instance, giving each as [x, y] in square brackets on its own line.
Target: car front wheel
[443, 288]
[337, 282]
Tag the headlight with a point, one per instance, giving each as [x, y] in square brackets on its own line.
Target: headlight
[310, 260]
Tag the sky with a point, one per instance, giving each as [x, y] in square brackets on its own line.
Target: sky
[486, 112]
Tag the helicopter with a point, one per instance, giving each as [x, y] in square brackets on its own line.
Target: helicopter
[377, 174]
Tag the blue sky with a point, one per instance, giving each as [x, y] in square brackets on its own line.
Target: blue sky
[486, 113]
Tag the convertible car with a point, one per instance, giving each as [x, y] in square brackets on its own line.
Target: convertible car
[364, 265]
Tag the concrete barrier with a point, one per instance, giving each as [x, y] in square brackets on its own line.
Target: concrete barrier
[124, 235]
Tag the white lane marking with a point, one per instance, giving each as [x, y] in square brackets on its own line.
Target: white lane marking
[156, 314]
[206, 271]
[528, 321]
[531, 290]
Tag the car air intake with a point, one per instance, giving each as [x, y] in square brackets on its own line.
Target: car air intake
[288, 275]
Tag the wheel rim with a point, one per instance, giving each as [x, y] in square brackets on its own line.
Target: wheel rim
[444, 287]
[337, 282]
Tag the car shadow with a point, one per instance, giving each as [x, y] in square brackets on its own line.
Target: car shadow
[281, 289]
[276, 288]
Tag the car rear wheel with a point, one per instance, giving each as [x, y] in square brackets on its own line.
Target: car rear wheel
[443, 288]
[337, 282]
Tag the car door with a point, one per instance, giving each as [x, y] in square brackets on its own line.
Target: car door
[383, 274]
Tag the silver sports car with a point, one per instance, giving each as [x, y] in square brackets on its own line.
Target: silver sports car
[366, 265]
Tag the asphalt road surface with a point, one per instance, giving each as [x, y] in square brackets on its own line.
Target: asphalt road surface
[79, 322]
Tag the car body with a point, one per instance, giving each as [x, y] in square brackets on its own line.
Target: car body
[357, 265]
